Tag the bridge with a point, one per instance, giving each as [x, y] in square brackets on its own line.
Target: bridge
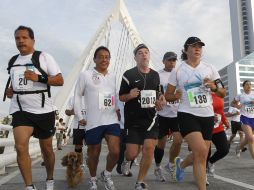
[119, 33]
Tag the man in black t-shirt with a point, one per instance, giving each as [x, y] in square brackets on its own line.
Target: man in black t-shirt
[139, 90]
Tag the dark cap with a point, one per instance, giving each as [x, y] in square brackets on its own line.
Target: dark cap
[169, 55]
[192, 41]
[140, 46]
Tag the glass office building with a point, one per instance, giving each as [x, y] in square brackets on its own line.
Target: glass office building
[241, 15]
[235, 74]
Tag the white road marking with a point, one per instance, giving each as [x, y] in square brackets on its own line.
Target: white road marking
[238, 183]
[15, 173]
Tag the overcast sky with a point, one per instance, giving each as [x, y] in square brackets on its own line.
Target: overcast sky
[63, 28]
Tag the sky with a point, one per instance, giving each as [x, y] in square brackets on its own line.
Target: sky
[64, 28]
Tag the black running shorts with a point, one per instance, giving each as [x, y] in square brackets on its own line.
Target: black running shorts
[189, 123]
[78, 136]
[166, 124]
[43, 124]
[137, 135]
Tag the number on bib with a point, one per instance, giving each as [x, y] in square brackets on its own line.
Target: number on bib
[20, 82]
[106, 101]
[148, 98]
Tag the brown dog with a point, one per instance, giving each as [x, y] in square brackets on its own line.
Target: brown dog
[74, 172]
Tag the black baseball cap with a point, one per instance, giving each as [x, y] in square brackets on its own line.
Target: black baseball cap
[169, 55]
[193, 40]
[140, 46]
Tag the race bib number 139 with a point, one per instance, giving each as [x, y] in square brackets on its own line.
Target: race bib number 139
[198, 98]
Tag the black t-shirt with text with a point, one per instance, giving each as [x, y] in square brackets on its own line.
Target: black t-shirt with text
[134, 115]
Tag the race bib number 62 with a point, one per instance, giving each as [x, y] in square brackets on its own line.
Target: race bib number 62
[106, 101]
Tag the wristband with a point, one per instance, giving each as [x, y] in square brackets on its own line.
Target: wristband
[42, 79]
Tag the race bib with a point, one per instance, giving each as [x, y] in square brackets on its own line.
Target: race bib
[106, 101]
[249, 109]
[198, 97]
[217, 120]
[173, 104]
[148, 98]
[20, 82]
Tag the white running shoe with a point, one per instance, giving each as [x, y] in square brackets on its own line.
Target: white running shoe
[108, 182]
[141, 186]
[32, 187]
[238, 151]
[125, 167]
[136, 162]
[50, 184]
[210, 169]
[207, 182]
[170, 171]
[159, 175]
[92, 184]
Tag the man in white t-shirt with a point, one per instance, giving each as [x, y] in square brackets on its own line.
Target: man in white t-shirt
[167, 118]
[98, 89]
[78, 130]
[31, 107]
[234, 114]
[60, 128]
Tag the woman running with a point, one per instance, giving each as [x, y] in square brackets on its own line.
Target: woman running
[195, 81]
[246, 106]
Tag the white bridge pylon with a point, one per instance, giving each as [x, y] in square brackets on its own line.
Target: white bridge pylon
[121, 60]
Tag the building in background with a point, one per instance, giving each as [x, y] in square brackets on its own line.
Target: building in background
[241, 15]
[242, 67]
[233, 76]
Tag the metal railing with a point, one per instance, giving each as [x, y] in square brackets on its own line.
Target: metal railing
[9, 156]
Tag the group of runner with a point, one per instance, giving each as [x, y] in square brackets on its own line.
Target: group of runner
[186, 100]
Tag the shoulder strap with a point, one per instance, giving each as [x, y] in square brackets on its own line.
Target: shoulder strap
[36, 62]
[10, 65]
[11, 62]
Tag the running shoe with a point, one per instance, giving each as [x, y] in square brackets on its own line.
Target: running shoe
[125, 167]
[170, 171]
[30, 187]
[178, 171]
[210, 169]
[136, 162]
[207, 182]
[108, 182]
[50, 184]
[244, 149]
[92, 184]
[238, 151]
[159, 175]
[141, 186]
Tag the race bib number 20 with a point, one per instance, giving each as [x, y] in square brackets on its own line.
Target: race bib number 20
[20, 82]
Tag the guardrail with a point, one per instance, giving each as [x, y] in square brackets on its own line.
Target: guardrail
[8, 157]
